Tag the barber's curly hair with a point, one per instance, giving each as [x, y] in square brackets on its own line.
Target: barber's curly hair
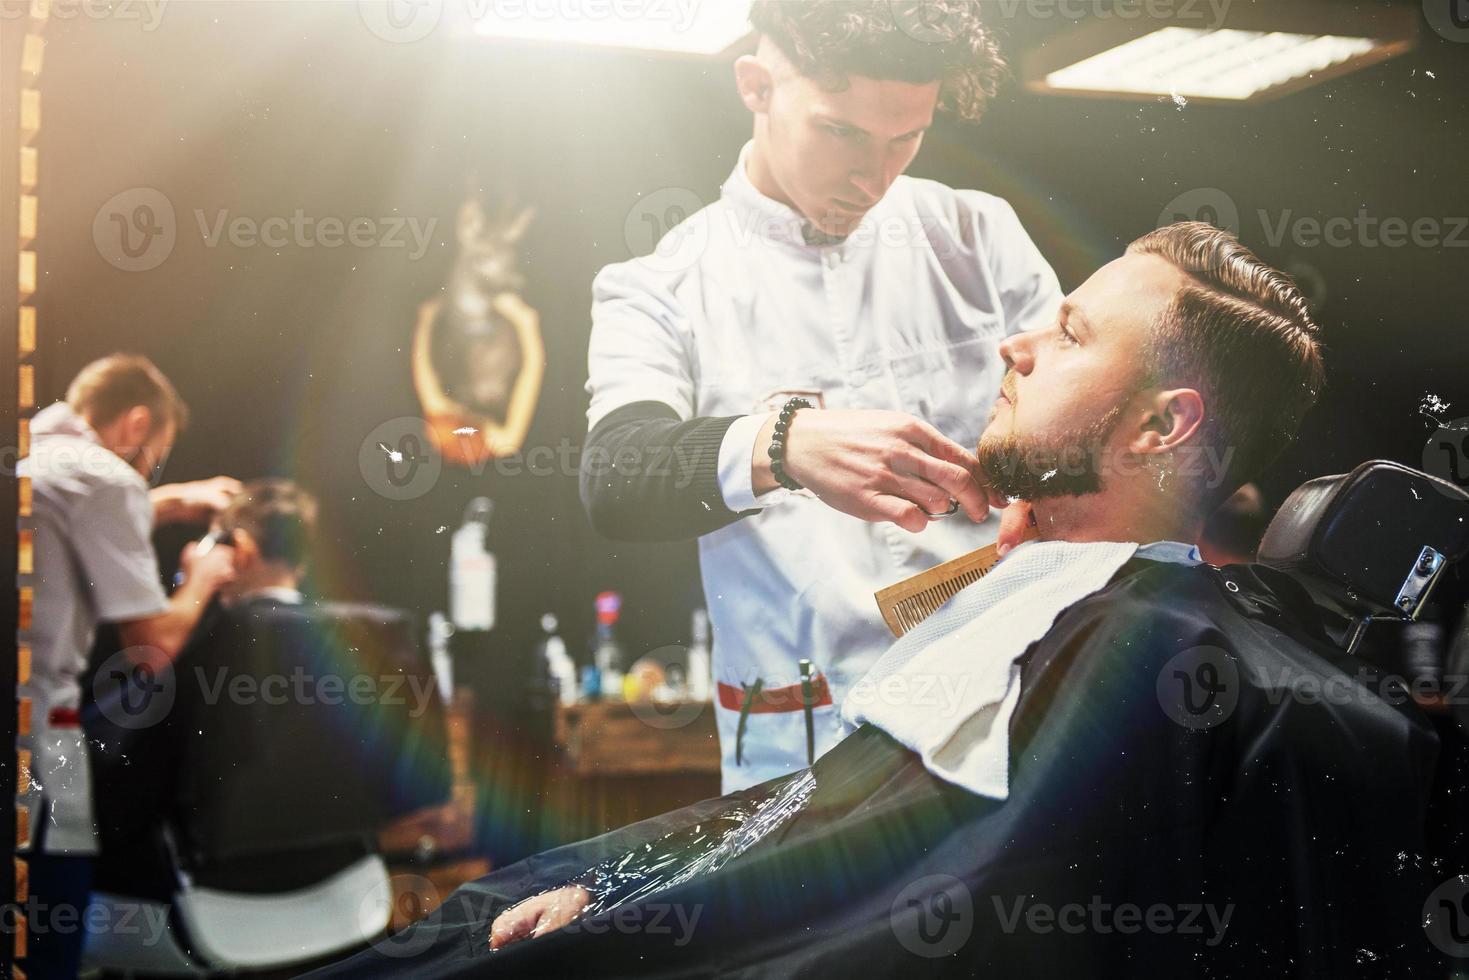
[915, 41]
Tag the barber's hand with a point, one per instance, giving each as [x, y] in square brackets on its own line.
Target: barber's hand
[539, 915]
[195, 502]
[1015, 520]
[211, 570]
[877, 466]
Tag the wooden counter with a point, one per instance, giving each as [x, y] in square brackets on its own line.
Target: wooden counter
[623, 762]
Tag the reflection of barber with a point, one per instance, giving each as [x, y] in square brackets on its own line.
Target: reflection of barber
[821, 274]
[89, 464]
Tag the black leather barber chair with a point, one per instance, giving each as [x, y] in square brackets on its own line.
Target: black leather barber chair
[1369, 545]
[297, 731]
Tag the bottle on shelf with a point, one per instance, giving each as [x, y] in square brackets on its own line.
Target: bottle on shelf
[591, 683]
[558, 661]
[439, 632]
[608, 656]
[700, 687]
[472, 577]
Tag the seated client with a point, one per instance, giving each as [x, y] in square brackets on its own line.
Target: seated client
[276, 696]
[1098, 760]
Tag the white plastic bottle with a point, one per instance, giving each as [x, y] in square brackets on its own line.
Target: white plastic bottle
[558, 661]
[439, 632]
[700, 686]
[472, 570]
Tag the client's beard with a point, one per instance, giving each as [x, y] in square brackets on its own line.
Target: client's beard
[1037, 467]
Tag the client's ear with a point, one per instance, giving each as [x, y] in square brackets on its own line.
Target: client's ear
[754, 82]
[1171, 418]
[247, 552]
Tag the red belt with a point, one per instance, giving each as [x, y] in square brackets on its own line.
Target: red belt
[775, 700]
[64, 718]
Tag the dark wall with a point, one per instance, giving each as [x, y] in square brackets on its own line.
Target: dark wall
[291, 357]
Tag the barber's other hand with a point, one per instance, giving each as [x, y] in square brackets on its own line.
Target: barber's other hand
[211, 570]
[877, 466]
[195, 502]
[1015, 520]
[539, 915]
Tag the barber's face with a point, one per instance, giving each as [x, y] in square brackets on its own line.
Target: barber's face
[835, 154]
[1068, 385]
[153, 452]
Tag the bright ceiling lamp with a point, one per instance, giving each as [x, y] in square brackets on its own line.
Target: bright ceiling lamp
[699, 27]
[1262, 54]
[1207, 64]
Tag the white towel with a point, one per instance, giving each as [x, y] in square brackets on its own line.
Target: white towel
[947, 689]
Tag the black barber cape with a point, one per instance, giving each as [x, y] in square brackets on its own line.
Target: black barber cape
[1202, 785]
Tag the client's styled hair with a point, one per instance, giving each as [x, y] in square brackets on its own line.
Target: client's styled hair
[1242, 333]
[917, 41]
[279, 515]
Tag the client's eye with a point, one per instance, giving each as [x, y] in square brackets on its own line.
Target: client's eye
[1067, 337]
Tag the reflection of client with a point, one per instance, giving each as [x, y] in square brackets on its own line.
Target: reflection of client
[1017, 758]
[270, 695]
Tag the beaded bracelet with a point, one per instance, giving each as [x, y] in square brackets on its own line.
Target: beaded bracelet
[777, 450]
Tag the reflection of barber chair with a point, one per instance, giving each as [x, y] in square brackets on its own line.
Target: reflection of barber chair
[261, 853]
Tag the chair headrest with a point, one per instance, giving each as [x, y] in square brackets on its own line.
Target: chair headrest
[1371, 542]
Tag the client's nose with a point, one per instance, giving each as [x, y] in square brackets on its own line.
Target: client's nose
[1017, 352]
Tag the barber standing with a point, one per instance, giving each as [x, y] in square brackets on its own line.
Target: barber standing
[798, 375]
[90, 460]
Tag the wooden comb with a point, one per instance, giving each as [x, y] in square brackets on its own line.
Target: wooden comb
[907, 603]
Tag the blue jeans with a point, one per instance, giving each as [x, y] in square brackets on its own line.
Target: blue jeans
[60, 885]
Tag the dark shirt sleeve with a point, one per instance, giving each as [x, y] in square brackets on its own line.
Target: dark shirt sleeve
[647, 475]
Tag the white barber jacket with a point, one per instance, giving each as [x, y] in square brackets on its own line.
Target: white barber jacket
[733, 313]
[94, 563]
